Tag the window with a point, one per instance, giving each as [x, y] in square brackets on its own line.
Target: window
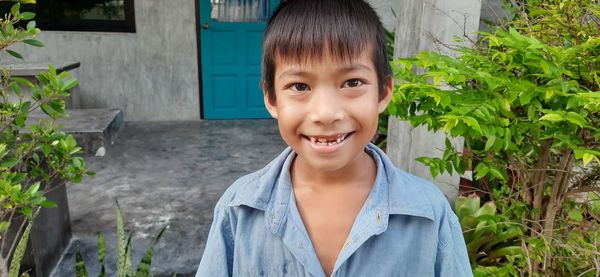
[240, 11]
[81, 15]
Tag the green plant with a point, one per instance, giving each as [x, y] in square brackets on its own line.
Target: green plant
[493, 241]
[32, 155]
[526, 100]
[380, 138]
[124, 249]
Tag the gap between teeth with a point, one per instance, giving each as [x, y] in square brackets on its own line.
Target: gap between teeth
[324, 142]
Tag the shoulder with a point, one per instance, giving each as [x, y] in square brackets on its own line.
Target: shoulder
[430, 190]
[419, 192]
[412, 195]
[254, 189]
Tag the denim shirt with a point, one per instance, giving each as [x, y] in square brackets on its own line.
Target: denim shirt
[405, 228]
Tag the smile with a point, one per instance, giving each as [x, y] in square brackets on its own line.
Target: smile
[328, 140]
[328, 144]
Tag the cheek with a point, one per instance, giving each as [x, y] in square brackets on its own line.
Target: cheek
[289, 117]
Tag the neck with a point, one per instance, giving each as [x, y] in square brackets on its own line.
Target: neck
[360, 172]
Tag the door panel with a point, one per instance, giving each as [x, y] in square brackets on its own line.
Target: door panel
[231, 40]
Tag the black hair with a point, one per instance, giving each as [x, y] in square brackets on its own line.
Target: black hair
[300, 30]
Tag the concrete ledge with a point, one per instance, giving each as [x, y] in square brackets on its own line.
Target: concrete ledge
[92, 128]
[34, 69]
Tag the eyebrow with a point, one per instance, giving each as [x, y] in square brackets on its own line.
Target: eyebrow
[345, 69]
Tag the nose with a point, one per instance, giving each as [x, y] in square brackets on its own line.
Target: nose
[326, 107]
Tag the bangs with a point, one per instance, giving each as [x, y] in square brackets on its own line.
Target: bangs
[306, 34]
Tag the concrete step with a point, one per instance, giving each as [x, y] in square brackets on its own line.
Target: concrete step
[94, 129]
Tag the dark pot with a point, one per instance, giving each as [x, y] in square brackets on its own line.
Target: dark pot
[50, 234]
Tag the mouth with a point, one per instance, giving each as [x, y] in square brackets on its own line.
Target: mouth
[331, 140]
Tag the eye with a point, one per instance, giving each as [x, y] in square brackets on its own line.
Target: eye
[298, 87]
[352, 83]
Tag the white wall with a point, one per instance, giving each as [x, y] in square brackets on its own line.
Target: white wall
[151, 74]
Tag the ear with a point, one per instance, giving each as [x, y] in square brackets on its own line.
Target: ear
[388, 89]
[271, 107]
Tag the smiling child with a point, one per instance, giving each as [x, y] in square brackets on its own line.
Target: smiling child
[332, 204]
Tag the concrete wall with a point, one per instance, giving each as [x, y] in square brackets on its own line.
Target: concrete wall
[492, 10]
[151, 74]
[387, 11]
[420, 24]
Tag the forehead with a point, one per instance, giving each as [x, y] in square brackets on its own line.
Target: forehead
[327, 59]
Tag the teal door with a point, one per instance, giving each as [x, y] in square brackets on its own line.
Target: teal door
[231, 33]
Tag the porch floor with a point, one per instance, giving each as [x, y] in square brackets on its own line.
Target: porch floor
[163, 174]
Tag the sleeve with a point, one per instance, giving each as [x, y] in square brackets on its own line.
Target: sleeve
[452, 258]
[217, 259]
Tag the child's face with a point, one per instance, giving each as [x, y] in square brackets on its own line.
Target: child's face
[327, 110]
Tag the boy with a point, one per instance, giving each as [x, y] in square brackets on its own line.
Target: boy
[331, 204]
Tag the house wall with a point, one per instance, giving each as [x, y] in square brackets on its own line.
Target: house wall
[150, 75]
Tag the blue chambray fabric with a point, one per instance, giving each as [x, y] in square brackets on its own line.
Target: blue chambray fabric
[405, 228]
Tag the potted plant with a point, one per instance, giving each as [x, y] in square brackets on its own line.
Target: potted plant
[36, 160]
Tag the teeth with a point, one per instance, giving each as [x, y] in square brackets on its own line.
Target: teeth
[324, 142]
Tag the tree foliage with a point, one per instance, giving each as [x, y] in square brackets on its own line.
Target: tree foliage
[526, 99]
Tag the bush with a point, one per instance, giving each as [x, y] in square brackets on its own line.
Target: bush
[526, 100]
[32, 156]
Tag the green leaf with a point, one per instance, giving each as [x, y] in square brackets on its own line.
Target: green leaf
[575, 215]
[497, 174]
[8, 163]
[552, 117]
[587, 158]
[4, 225]
[507, 138]
[70, 84]
[26, 15]
[121, 244]
[14, 54]
[101, 254]
[504, 104]
[33, 189]
[49, 204]
[17, 256]
[489, 143]
[48, 109]
[33, 42]
[128, 264]
[488, 208]
[26, 211]
[481, 170]
[80, 268]
[143, 269]
[502, 252]
[472, 122]
[22, 81]
[576, 119]
[14, 10]
[30, 25]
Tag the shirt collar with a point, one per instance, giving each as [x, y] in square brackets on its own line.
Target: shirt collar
[394, 191]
